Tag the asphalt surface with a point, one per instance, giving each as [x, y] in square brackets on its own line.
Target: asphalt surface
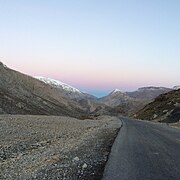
[144, 151]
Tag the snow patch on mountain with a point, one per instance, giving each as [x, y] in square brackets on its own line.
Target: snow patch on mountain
[1, 63]
[176, 87]
[151, 88]
[116, 90]
[57, 84]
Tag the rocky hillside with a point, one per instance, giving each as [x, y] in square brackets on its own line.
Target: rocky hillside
[88, 102]
[66, 90]
[22, 94]
[115, 98]
[128, 103]
[165, 108]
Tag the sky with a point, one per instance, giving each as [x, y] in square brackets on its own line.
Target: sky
[93, 45]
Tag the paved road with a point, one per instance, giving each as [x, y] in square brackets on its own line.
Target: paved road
[144, 151]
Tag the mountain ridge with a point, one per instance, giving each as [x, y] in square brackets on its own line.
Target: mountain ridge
[130, 102]
[23, 94]
[57, 83]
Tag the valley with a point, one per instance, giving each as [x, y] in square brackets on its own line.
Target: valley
[51, 130]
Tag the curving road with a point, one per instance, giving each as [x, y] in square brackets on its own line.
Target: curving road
[144, 151]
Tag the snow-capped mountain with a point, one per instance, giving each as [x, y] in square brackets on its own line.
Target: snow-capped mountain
[114, 98]
[65, 89]
[1, 63]
[132, 101]
[33, 97]
[115, 91]
[176, 87]
[58, 84]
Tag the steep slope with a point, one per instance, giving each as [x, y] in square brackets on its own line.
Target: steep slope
[86, 101]
[66, 90]
[165, 108]
[22, 94]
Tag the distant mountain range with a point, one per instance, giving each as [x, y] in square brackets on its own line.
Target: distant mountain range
[129, 102]
[23, 94]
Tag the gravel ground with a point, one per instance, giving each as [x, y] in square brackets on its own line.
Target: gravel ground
[51, 147]
[175, 125]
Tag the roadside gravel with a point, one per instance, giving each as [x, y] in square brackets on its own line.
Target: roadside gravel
[54, 147]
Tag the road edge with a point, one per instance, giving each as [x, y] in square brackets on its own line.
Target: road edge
[112, 152]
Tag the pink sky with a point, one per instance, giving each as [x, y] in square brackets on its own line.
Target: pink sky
[95, 46]
[90, 78]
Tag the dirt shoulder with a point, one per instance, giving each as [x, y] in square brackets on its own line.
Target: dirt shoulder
[51, 147]
[175, 125]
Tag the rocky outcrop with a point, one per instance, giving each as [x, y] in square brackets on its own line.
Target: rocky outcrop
[165, 108]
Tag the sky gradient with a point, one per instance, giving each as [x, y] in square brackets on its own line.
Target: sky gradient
[94, 45]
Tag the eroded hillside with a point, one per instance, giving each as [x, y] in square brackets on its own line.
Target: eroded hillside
[165, 108]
